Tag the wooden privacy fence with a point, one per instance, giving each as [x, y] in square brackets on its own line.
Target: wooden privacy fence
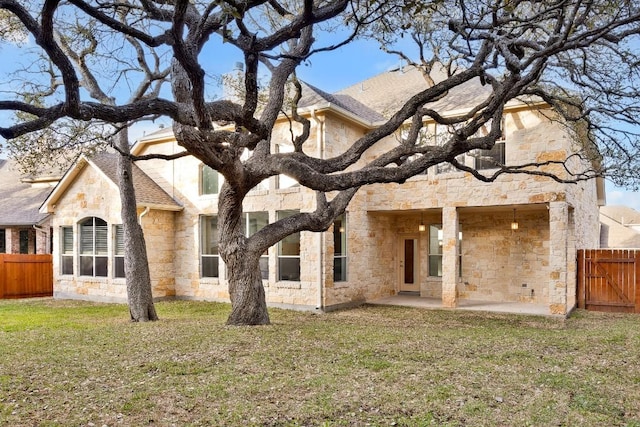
[25, 276]
[608, 280]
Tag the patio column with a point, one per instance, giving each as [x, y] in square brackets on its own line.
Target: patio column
[558, 240]
[450, 260]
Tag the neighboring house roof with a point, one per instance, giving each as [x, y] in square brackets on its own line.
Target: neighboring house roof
[20, 198]
[619, 227]
[148, 192]
[621, 214]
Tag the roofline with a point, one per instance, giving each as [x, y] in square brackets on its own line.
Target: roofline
[329, 106]
[512, 105]
[22, 224]
[48, 206]
[151, 139]
[160, 207]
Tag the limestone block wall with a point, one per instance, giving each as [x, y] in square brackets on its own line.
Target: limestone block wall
[496, 262]
[92, 195]
[181, 179]
[530, 137]
[371, 260]
[89, 195]
[158, 227]
[500, 264]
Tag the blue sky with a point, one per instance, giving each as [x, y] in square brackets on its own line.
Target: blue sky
[329, 72]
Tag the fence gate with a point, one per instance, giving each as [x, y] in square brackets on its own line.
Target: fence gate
[608, 280]
[24, 276]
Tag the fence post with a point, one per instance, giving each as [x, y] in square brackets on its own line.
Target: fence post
[2, 277]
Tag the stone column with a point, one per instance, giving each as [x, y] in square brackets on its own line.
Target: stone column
[450, 260]
[558, 235]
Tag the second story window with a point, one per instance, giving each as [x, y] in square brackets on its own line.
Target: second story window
[443, 135]
[495, 157]
[285, 181]
[209, 180]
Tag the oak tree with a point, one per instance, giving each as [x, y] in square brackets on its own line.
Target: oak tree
[579, 56]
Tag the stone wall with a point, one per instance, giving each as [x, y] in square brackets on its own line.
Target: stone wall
[496, 261]
[91, 194]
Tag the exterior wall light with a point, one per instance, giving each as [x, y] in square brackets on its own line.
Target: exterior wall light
[422, 227]
[514, 223]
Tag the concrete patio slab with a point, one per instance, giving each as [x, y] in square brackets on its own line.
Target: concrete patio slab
[489, 306]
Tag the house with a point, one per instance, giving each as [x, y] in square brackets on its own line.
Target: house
[619, 227]
[23, 229]
[442, 234]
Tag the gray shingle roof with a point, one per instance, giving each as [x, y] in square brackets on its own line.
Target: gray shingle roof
[388, 91]
[19, 201]
[314, 96]
[148, 192]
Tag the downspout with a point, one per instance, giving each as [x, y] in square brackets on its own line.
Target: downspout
[143, 213]
[320, 150]
[46, 234]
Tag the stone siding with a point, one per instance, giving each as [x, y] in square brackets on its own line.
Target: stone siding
[91, 194]
[535, 263]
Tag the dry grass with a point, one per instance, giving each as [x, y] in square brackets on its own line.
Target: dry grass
[82, 364]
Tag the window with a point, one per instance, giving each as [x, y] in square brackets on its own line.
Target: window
[209, 256]
[3, 241]
[289, 253]
[425, 138]
[66, 250]
[340, 249]
[24, 241]
[264, 184]
[209, 180]
[285, 181]
[254, 222]
[435, 251]
[490, 159]
[442, 136]
[93, 247]
[118, 251]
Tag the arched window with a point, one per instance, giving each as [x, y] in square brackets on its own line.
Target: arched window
[93, 247]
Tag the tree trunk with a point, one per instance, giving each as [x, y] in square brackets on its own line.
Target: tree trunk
[248, 302]
[136, 264]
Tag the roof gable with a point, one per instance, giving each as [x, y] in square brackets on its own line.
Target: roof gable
[148, 192]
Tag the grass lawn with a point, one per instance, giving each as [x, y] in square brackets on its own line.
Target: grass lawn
[75, 363]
